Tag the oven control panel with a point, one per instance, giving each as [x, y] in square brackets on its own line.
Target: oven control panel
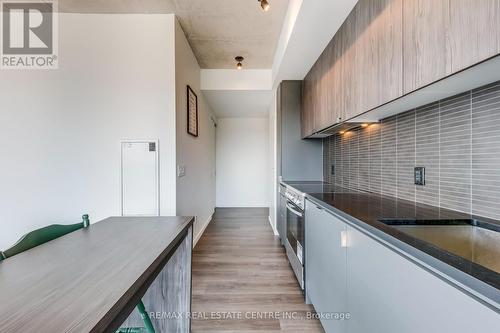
[296, 198]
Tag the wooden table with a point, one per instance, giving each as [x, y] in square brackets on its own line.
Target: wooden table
[92, 279]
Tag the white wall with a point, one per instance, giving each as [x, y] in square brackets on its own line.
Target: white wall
[196, 190]
[60, 130]
[273, 176]
[243, 162]
[239, 103]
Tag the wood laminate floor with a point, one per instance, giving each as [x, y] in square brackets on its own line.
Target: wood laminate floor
[242, 281]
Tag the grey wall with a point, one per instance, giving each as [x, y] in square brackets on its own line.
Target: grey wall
[457, 140]
[298, 159]
[196, 154]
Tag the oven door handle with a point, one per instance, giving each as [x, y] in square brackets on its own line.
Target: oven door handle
[290, 208]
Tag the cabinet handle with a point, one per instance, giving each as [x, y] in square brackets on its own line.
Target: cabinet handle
[290, 208]
[343, 238]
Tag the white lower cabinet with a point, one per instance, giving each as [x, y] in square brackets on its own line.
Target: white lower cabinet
[326, 285]
[390, 294]
[383, 291]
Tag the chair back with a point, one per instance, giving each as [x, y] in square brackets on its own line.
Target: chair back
[43, 235]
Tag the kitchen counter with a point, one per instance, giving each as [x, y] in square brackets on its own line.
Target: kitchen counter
[364, 210]
[313, 187]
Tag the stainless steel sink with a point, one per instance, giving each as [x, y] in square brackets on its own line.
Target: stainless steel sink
[473, 240]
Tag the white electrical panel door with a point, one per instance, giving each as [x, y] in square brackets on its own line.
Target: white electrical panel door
[139, 169]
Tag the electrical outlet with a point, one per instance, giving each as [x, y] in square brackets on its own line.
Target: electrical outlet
[419, 176]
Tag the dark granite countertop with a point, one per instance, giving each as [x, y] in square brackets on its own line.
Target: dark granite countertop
[314, 187]
[364, 210]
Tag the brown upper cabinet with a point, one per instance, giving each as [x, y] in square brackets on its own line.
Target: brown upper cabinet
[425, 50]
[360, 68]
[379, 61]
[322, 76]
[475, 32]
[330, 106]
[442, 37]
[388, 48]
[351, 73]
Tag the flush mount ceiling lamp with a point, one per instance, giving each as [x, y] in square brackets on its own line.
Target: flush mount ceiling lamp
[239, 59]
[264, 4]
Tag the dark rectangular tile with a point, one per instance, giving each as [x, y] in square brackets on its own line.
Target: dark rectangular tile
[345, 156]
[406, 155]
[457, 140]
[427, 153]
[337, 156]
[486, 151]
[364, 159]
[455, 153]
[389, 156]
[353, 138]
[375, 158]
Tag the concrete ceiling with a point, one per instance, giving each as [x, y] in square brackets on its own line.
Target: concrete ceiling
[217, 30]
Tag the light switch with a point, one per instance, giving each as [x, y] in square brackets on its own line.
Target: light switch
[181, 171]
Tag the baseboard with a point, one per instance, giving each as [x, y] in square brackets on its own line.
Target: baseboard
[272, 226]
[202, 230]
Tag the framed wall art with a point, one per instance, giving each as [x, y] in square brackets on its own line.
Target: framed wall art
[192, 112]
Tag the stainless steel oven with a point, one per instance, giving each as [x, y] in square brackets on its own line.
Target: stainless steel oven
[295, 229]
[295, 232]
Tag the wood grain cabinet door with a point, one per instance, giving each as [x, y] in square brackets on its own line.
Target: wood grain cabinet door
[320, 68]
[379, 57]
[350, 68]
[323, 90]
[425, 46]
[388, 48]
[331, 102]
[335, 91]
[442, 37]
[474, 32]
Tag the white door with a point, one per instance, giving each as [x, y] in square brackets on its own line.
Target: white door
[140, 196]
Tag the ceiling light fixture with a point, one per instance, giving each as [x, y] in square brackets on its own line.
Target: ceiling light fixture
[264, 4]
[239, 59]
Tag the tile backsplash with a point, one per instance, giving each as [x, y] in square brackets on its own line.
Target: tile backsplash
[457, 140]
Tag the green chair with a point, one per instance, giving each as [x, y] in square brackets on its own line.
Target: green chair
[43, 235]
[46, 234]
[148, 325]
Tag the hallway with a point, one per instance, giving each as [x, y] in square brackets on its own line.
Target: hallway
[241, 273]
